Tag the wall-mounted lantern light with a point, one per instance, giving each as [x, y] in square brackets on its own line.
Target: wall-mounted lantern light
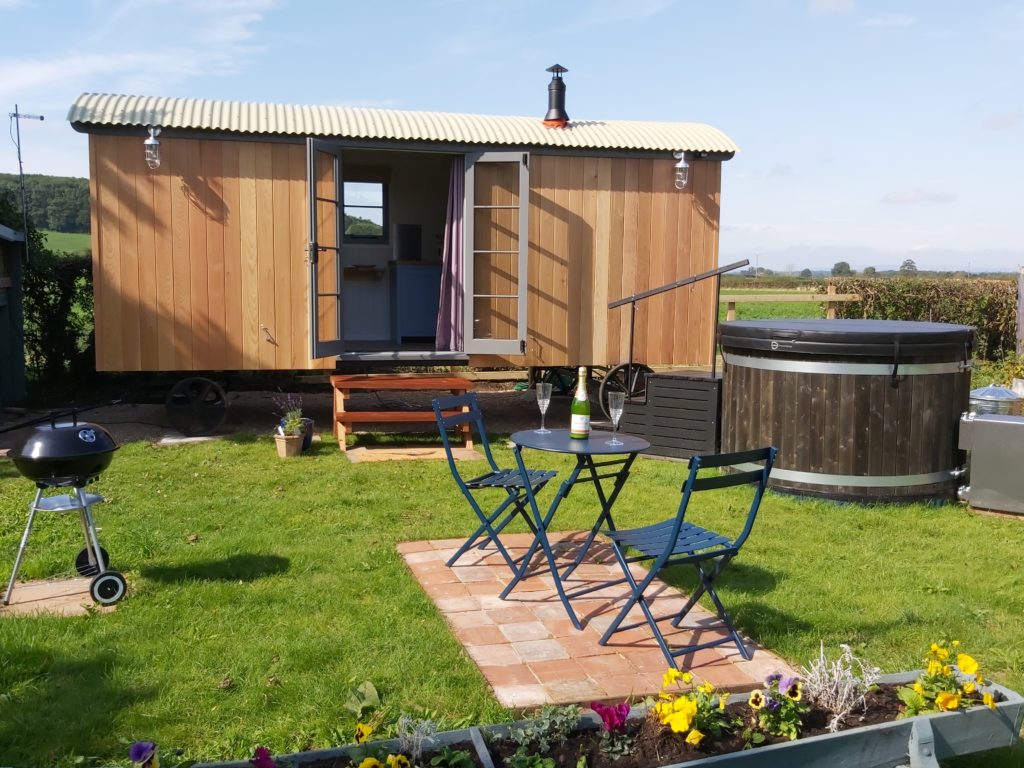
[152, 145]
[682, 170]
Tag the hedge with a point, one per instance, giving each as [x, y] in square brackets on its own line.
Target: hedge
[989, 305]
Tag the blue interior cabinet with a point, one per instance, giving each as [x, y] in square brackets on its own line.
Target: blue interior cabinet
[415, 294]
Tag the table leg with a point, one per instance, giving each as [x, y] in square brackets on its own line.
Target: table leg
[540, 539]
[606, 505]
[340, 396]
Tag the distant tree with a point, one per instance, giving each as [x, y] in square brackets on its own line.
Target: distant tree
[806, 273]
[908, 267]
[841, 269]
[59, 203]
[870, 272]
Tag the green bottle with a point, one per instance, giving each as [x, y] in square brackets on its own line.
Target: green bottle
[579, 427]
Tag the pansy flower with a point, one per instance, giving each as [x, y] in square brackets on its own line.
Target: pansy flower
[143, 753]
[988, 700]
[967, 664]
[398, 761]
[694, 737]
[947, 701]
[371, 762]
[363, 732]
[756, 700]
[722, 699]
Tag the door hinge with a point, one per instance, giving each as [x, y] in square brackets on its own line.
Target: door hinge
[526, 160]
[522, 346]
[311, 252]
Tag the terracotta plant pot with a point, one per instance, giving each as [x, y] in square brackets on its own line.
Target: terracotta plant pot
[288, 445]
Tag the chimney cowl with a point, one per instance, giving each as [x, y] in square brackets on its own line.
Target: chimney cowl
[556, 117]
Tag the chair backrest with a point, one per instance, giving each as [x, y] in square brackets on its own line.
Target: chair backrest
[456, 411]
[753, 468]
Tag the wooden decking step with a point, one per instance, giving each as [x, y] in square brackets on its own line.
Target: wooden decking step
[345, 385]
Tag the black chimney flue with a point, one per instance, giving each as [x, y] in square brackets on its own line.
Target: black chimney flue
[556, 116]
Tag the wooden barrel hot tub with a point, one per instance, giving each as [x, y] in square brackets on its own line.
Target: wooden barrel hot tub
[859, 409]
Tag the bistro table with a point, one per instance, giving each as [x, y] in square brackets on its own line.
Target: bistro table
[612, 463]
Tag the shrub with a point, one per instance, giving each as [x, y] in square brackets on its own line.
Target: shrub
[989, 305]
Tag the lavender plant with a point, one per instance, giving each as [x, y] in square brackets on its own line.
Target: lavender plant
[414, 734]
[839, 686]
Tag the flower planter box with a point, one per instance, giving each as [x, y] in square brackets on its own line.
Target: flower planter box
[297, 759]
[922, 741]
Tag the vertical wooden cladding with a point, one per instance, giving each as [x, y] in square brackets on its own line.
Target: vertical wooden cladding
[200, 264]
[604, 228]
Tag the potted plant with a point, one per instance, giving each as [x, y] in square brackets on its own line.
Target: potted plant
[289, 434]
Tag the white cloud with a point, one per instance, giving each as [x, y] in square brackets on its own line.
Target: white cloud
[918, 195]
[894, 20]
[10, 4]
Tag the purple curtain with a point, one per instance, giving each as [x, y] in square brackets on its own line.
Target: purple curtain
[450, 308]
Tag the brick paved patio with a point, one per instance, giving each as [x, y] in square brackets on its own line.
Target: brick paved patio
[527, 648]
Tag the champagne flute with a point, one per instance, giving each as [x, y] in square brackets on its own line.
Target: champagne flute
[543, 399]
[616, 404]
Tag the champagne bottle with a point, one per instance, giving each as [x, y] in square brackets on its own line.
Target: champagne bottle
[579, 426]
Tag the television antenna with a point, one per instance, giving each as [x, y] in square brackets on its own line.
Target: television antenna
[16, 118]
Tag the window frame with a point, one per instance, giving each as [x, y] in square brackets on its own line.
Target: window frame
[383, 238]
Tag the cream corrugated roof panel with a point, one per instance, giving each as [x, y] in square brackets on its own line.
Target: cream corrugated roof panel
[390, 124]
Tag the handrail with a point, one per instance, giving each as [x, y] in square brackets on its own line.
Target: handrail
[679, 283]
[632, 300]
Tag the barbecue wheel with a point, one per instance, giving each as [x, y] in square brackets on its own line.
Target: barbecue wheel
[196, 406]
[84, 567]
[108, 588]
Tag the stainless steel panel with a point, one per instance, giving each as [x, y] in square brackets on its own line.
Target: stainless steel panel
[997, 451]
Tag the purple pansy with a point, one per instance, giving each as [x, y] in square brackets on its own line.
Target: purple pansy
[772, 678]
[141, 752]
[772, 704]
[613, 717]
[262, 759]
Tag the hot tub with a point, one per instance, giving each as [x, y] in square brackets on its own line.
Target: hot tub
[859, 409]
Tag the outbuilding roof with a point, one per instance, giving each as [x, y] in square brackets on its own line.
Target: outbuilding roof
[97, 109]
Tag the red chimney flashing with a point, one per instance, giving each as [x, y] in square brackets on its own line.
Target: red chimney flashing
[556, 123]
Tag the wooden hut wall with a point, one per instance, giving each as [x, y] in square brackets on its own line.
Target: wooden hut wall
[602, 229]
[200, 264]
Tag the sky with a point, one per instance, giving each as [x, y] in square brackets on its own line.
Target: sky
[870, 132]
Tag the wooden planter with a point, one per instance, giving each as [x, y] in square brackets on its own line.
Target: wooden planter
[922, 741]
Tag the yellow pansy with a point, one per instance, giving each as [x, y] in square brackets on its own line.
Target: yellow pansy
[939, 652]
[363, 732]
[967, 665]
[706, 688]
[795, 691]
[683, 712]
[955, 643]
[371, 762]
[918, 689]
[947, 670]
[694, 737]
[979, 678]
[988, 700]
[670, 677]
[398, 761]
[687, 678]
[947, 701]
[756, 700]
[934, 667]
[722, 699]
[969, 687]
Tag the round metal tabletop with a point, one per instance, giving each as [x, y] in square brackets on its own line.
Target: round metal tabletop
[558, 441]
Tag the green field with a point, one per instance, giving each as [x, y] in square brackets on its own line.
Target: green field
[67, 242]
[771, 310]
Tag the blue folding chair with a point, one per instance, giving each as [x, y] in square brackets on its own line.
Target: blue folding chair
[678, 542]
[457, 411]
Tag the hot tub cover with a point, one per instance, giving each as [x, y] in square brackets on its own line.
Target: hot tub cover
[844, 338]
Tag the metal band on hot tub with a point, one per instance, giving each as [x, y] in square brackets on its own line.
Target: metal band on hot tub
[841, 369]
[854, 481]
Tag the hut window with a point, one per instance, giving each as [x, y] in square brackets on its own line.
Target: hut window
[366, 213]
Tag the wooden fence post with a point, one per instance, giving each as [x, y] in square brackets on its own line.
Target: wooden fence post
[830, 307]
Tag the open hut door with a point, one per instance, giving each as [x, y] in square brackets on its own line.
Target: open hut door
[325, 228]
[496, 245]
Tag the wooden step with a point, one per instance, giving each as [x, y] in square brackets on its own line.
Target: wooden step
[388, 416]
[409, 381]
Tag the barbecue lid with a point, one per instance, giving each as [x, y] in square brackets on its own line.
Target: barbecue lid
[65, 440]
[865, 338]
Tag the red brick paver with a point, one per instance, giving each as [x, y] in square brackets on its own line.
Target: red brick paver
[528, 649]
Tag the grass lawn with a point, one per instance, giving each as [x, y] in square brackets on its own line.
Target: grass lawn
[262, 590]
[68, 242]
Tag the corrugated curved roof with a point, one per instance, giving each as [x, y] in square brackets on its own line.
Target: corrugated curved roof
[391, 124]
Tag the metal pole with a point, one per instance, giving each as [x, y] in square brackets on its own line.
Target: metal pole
[17, 116]
[629, 365]
[1020, 312]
